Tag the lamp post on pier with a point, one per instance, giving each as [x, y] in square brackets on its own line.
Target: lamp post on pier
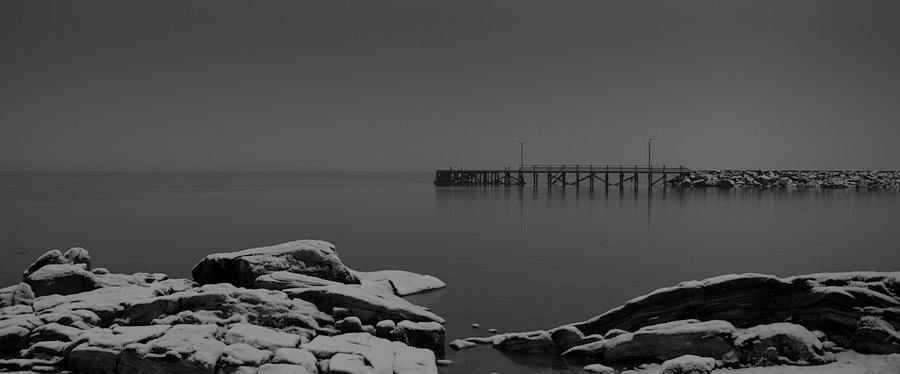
[649, 140]
[521, 152]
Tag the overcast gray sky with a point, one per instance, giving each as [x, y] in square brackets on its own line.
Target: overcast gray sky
[418, 85]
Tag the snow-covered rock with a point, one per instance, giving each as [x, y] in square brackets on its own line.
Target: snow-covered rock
[281, 280]
[98, 351]
[688, 364]
[14, 331]
[459, 344]
[366, 303]
[55, 257]
[428, 335]
[261, 337]
[284, 369]
[747, 300]
[61, 279]
[20, 294]
[296, 356]
[403, 282]
[664, 341]
[310, 257]
[875, 335]
[779, 343]
[382, 356]
[240, 354]
[188, 349]
[534, 342]
[598, 368]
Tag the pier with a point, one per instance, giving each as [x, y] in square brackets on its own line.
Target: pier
[561, 175]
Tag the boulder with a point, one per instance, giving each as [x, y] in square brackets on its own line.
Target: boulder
[382, 356]
[384, 329]
[20, 294]
[55, 257]
[187, 349]
[428, 335]
[54, 331]
[348, 325]
[261, 337]
[14, 331]
[567, 336]
[61, 279]
[779, 344]
[688, 364]
[296, 356]
[98, 351]
[310, 257]
[404, 282]
[663, 342]
[874, 335]
[367, 304]
[241, 354]
[47, 350]
[348, 363]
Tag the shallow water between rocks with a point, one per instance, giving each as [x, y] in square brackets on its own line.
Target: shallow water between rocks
[513, 259]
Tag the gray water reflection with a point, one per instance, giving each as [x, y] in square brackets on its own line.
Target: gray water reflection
[514, 259]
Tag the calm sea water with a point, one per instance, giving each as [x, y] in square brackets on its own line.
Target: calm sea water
[514, 259]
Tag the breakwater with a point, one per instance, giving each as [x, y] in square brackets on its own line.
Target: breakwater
[788, 179]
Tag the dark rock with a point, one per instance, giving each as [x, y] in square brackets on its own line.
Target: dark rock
[348, 325]
[384, 329]
[874, 335]
[14, 331]
[309, 257]
[780, 344]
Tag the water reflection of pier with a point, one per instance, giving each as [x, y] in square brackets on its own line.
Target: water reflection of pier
[560, 175]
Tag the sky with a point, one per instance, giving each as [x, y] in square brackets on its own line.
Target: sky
[421, 85]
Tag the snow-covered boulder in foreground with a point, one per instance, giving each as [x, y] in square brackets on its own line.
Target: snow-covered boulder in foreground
[310, 257]
[187, 349]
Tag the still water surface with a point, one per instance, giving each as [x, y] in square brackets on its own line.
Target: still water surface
[514, 259]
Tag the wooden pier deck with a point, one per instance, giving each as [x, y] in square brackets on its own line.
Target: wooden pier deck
[560, 175]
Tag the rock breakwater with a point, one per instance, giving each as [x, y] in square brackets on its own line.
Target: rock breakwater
[789, 179]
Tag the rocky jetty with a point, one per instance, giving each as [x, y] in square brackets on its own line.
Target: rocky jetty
[734, 320]
[289, 308]
[789, 179]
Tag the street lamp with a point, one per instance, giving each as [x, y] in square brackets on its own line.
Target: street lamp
[648, 151]
[521, 152]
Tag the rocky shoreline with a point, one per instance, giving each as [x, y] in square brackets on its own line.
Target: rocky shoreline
[296, 308]
[287, 308]
[789, 179]
[733, 321]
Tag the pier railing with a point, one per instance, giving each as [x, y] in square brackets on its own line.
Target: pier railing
[621, 168]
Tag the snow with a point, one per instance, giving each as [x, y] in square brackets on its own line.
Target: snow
[296, 356]
[404, 282]
[688, 364]
[782, 328]
[244, 354]
[597, 368]
[261, 337]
